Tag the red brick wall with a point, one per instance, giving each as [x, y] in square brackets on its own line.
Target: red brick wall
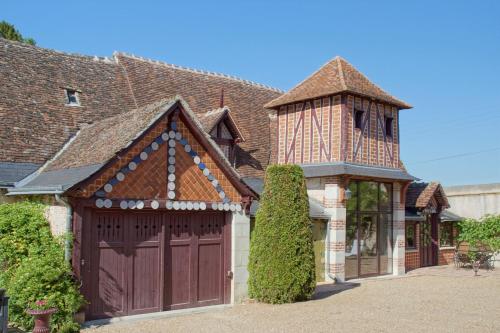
[322, 130]
[446, 256]
[412, 256]
[367, 145]
[309, 132]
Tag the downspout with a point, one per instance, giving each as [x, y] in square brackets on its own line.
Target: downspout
[69, 226]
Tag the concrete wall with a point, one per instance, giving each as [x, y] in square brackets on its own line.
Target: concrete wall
[474, 201]
[240, 250]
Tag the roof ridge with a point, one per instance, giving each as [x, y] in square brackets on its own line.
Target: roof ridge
[198, 71]
[341, 71]
[373, 83]
[314, 73]
[63, 53]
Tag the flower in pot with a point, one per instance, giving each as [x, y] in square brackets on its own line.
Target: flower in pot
[41, 310]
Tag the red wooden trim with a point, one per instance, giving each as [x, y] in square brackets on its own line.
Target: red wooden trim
[311, 130]
[320, 133]
[285, 158]
[366, 120]
[277, 151]
[297, 125]
[330, 125]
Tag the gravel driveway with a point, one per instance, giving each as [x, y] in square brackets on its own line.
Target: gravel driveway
[429, 300]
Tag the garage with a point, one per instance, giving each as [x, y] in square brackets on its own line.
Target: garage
[153, 261]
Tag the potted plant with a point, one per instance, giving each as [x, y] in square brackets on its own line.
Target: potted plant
[41, 310]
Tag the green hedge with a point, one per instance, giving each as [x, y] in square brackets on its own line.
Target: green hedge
[281, 265]
[33, 266]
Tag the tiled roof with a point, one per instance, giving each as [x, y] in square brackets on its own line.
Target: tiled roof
[210, 119]
[419, 195]
[152, 80]
[34, 119]
[36, 123]
[98, 143]
[335, 77]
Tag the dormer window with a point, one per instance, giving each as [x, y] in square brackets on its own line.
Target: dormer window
[388, 126]
[223, 137]
[72, 97]
[358, 119]
[223, 130]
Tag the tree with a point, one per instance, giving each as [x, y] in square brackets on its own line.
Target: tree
[281, 266]
[8, 31]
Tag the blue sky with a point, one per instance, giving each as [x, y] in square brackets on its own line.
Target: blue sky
[443, 57]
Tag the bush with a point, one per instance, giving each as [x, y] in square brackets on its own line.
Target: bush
[24, 231]
[34, 266]
[485, 232]
[281, 265]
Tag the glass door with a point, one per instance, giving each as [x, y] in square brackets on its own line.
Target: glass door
[368, 252]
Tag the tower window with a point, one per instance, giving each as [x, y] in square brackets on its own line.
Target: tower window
[358, 118]
[72, 97]
[388, 126]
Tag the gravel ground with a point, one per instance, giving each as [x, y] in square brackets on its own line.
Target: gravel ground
[428, 300]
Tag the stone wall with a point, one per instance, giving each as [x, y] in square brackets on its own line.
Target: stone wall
[240, 251]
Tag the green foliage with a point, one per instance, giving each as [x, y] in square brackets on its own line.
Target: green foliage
[485, 232]
[34, 267]
[8, 31]
[281, 266]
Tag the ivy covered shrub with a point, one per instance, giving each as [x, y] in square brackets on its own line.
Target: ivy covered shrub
[281, 266]
[483, 232]
[33, 267]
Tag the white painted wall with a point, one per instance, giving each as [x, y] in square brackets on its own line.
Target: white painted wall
[474, 201]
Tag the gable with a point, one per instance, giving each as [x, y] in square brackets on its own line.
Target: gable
[167, 167]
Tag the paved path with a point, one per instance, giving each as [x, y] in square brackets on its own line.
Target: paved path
[427, 300]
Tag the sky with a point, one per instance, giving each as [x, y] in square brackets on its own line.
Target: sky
[442, 57]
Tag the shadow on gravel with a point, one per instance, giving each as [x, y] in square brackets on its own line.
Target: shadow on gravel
[327, 290]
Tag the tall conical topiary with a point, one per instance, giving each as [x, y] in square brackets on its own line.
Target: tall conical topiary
[281, 265]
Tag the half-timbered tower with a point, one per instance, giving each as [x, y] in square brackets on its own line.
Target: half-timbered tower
[343, 130]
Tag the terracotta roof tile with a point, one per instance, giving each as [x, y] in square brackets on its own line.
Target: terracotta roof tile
[150, 81]
[336, 76]
[419, 195]
[35, 121]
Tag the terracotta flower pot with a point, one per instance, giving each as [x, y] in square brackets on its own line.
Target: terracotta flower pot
[42, 319]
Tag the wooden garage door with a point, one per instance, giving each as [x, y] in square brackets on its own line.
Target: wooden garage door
[151, 261]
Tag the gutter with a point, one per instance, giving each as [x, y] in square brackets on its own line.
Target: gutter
[69, 226]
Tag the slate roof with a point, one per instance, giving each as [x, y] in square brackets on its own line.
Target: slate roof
[10, 173]
[419, 195]
[346, 168]
[316, 208]
[336, 76]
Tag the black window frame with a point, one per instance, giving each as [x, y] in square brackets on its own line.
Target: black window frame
[389, 123]
[358, 118]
